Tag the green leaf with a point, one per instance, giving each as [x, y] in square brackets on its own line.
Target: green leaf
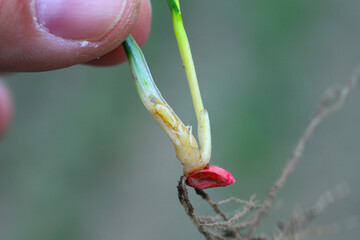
[173, 6]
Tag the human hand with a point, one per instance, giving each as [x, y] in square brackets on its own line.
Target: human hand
[5, 107]
[41, 35]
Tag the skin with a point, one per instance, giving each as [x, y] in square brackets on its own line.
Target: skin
[6, 108]
[26, 47]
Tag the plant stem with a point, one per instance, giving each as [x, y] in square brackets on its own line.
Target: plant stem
[186, 147]
[185, 52]
[144, 82]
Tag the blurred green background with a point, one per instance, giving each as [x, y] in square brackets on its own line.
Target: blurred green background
[84, 160]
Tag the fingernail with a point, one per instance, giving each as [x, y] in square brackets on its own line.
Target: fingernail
[80, 19]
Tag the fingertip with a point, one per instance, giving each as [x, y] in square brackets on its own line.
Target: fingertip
[140, 33]
[50, 35]
[6, 107]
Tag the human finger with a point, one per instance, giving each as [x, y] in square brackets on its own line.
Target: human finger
[6, 107]
[40, 35]
[140, 33]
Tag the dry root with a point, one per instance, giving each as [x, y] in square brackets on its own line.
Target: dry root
[243, 224]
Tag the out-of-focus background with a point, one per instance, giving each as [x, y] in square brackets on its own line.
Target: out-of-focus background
[84, 160]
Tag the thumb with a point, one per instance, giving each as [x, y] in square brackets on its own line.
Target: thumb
[39, 35]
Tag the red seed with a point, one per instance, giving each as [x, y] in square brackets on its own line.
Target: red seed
[209, 177]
